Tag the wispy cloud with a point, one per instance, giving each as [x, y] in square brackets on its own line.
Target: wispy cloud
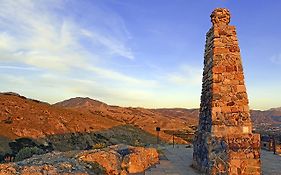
[63, 50]
[114, 46]
[109, 74]
[18, 68]
[186, 75]
[37, 37]
[276, 59]
[34, 37]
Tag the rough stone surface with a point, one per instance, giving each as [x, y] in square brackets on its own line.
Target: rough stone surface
[113, 160]
[110, 160]
[140, 159]
[224, 142]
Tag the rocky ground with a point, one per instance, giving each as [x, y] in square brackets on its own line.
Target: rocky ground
[121, 159]
[80, 122]
[113, 160]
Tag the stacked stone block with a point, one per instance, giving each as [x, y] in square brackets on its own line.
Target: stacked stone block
[224, 142]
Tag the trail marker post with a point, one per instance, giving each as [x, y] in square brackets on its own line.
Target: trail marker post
[158, 130]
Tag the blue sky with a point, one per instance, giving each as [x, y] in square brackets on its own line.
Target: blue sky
[146, 53]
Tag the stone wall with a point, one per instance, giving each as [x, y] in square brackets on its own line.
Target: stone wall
[224, 142]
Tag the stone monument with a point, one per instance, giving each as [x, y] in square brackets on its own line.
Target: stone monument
[224, 142]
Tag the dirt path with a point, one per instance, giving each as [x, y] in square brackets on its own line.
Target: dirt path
[177, 161]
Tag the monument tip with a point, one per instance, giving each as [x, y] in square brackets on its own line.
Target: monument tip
[220, 16]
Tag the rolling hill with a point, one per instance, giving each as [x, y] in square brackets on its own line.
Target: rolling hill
[78, 123]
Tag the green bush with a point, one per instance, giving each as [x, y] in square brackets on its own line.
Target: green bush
[137, 143]
[97, 168]
[28, 152]
[94, 167]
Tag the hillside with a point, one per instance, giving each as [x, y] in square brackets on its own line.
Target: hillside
[22, 117]
[179, 119]
[190, 115]
[275, 109]
[79, 102]
[63, 129]
[267, 122]
[145, 119]
[78, 123]
[269, 116]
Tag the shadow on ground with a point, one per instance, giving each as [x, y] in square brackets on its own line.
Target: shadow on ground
[122, 134]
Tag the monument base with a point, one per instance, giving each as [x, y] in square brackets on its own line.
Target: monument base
[230, 155]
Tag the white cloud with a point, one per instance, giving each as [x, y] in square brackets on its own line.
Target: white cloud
[186, 75]
[71, 87]
[19, 68]
[109, 74]
[33, 38]
[115, 46]
[37, 37]
[64, 58]
[6, 41]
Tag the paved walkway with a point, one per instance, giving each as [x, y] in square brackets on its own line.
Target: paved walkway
[271, 164]
[177, 161]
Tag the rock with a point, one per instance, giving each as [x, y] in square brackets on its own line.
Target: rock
[7, 169]
[110, 160]
[123, 172]
[140, 159]
[113, 160]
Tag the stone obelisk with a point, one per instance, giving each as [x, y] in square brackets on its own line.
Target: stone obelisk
[224, 142]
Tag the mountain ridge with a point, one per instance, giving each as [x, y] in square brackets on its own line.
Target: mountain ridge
[84, 117]
[81, 125]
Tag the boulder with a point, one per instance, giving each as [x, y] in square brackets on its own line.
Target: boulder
[7, 169]
[140, 159]
[113, 160]
[110, 160]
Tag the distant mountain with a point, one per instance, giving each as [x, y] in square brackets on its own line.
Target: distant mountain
[166, 118]
[268, 117]
[190, 115]
[275, 109]
[145, 119]
[78, 102]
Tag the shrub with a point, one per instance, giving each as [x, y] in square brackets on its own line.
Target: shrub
[137, 143]
[28, 152]
[97, 168]
[1, 158]
[160, 151]
[8, 120]
[21, 143]
[94, 167]
[98, 146]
